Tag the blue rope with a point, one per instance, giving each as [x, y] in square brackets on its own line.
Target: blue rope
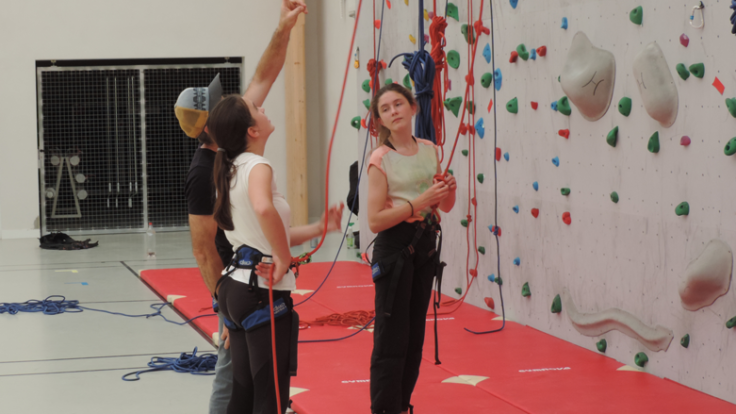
[186, 363]
[733, 16]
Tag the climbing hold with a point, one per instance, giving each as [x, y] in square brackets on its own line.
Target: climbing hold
[498, 154]
[718, 85]
[536, 186]
[431, 15]
[564, 23]
[653, 145]
[470, 107]
[486, 79]
[554, 106]
[516, 209]
[684, 40]
[407, 81]
[513, 106]
[499, 281]
[533, 54]
[682, 71]
[487, 52]
[469, 35]
[452, 11]
[556, 305]
[685, 341]
[612, 137]
[406, 2]
[535, 105]
[377, 24]
[482, 250]
[565, 191]
[556, 161]
[459, 291]
[698, 70]
[463, 128]
[426, 38]
[497, 79]
[685, 141]
[637, 15]
[495, 230]
[566, 218]
[564, 133]
[491, 277]
[490, 105]
[367, 104]
[465, 153]
[412, 39]
[514, 3]
[542, 51]
[453, 105]
[388, 81]
[602, 345]
[535, 212]
[490, 303]
[525, 292]
[523, 53]
[682, 209]
[453, 59]
[362, 123]
[426, 15]
[481, 178]
[514, 57]
[388, 3]
[367, 85]
[641, 359]
[480, 128]
[563, 105]
[624, 106]
[355, 122]
[731, 105]
[614, 197]
[506, 156]
[731, 323]
[464, 222]
[517, 261]
[451, 172]
[730, 147]
[660, 98]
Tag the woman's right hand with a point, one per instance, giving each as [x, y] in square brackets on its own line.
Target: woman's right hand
[280, 268]
[433, 196]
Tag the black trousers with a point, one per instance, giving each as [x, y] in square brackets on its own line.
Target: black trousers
[398, 339]
[253, 383]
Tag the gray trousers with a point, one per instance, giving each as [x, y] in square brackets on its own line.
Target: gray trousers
[222, 385]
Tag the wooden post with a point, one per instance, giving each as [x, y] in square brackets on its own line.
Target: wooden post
[296, 126]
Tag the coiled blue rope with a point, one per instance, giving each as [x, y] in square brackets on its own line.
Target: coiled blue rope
[186, 363]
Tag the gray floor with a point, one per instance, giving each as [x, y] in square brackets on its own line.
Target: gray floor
[72, 363]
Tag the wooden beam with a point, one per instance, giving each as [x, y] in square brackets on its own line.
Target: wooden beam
[296, 126]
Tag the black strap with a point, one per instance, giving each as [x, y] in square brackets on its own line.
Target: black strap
[438, 298]
[400, 257]
[294, 342]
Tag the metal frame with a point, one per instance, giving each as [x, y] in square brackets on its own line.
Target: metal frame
[143, 147]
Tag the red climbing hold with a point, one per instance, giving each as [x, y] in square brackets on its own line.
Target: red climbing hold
[384, 64]
[431, 15]
[362, 123]
[473, 272]
[490, 105]
[474, 202]
[566, 218]
[564, 133]
[498, 154]
[471, 130]
[514, 56]
[426, 38]
[388, 3]
[535, 212]
[377, 23]
[496, 229]
[463, 128]
[718, 85]
[542, 51]
[535, 105]
[490, 303]
[685, 141]
[471, 80]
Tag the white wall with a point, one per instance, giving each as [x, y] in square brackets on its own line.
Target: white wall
[85, 29]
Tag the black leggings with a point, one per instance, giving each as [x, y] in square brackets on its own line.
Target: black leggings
[398, 339]
[253, 383]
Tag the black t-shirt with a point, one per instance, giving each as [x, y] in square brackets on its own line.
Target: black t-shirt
[199, 190]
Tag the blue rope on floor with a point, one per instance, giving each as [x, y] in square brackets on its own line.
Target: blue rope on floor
[186, 363]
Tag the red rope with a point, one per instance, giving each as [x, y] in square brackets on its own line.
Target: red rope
[437, 37]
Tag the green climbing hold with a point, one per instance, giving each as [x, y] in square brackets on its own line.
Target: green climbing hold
[355, 122]
[450, 172]
[653, 145]
[624, 106]
[602, 345]
[698, 70]
[641, 359]
[464, 222]
[614, 197]
[486, 79]
[730, 147]
[558, 79]
[367, 104]
[731, 105]
[513, 106]
[500, 282]
[388, 81]
[482, 250]
[612, 137]
[565, 191]
[521, 50]
[481, 178]
[407, 81]
[682, 71]
[685, 341]
[453, 105]
[452, 11]
[557, 304]
[637, 15]
[464, 31]
[367, 85]
[453, 59]
[563, 105]
[731, 323]
[470, 106]
[459, 291]
[525, 292]
[682, 209]
[465, 153]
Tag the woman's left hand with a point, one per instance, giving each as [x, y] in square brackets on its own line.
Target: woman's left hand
[333, 217]
[450, 181]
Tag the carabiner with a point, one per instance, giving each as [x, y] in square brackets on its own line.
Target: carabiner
[699, 8]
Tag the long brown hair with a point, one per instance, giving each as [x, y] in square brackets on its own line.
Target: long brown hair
[228, 124]
[383, 132]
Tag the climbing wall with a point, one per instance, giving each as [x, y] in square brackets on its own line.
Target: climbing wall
[630, 255]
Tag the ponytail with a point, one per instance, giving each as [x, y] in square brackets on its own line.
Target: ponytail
[223, 173]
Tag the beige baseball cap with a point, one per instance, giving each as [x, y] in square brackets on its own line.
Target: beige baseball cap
[194, 105]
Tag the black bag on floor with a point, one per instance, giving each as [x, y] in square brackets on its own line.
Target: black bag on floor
[60, 241]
